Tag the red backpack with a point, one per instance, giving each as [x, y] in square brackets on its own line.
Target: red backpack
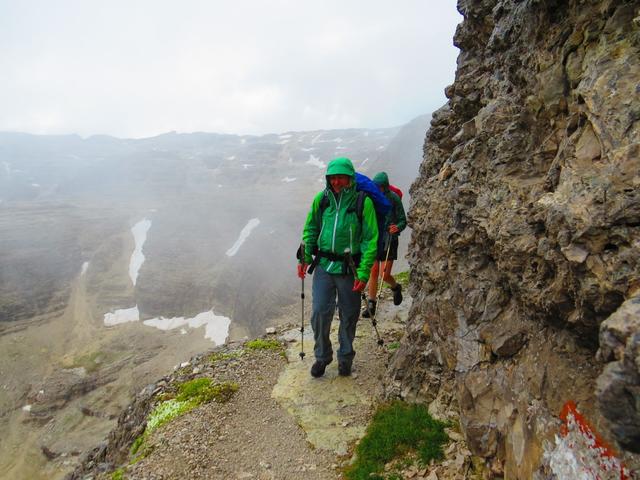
[396, 190]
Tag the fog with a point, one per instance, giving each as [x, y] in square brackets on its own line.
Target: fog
[140, 69]
[121, 258]
[222, 218]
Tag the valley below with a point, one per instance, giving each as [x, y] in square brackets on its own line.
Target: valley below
[129, 257]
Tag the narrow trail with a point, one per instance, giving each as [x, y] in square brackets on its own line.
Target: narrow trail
[281, 423]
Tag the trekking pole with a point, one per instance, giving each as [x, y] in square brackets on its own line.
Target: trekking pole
[381, 275]
[352, 265]
[302, 311]
[302, 324]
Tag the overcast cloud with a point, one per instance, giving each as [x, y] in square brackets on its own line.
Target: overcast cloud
[142, 67]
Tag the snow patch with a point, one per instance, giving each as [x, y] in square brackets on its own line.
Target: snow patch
[216, 326]
[381, 147]
[37, 185]
[232, 157]
[123, 315]
[139, 231]
[288, 179]
[310, 149]
[245, 166]
[85, 266]
[244, 234]
[26, 408]
[364, 161]
[316, 138]
[315, 161]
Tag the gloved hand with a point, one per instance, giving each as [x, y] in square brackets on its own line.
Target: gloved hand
[358, 285]
[393, 228]
[302, 270]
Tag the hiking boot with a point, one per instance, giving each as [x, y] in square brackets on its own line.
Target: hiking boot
[318, 368]
[397, 294]
[371, 307]
[344, 369]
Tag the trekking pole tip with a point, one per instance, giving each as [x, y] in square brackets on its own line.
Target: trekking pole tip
[302, 354]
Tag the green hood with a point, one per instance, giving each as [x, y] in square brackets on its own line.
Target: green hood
[381, 179]
[340, 166]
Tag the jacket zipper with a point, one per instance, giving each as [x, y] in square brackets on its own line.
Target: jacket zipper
[335, 227]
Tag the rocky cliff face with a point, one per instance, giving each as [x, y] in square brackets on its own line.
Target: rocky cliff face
[526, 231]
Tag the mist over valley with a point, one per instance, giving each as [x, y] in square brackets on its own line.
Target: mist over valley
[121, 258]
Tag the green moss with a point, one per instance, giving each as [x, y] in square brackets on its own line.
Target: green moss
[261, 344]
[190, 394]
[165, 412]
[203, 390]
[118, 474]
[402, 278]
[137, 443]
[397, 430]
[393, 346]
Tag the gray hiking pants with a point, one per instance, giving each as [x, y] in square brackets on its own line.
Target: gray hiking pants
[324, 290]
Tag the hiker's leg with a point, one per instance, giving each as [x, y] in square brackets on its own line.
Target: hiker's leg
[324, 306]
[393, 255]
[373, 280]
[349, 306]
[387, 277]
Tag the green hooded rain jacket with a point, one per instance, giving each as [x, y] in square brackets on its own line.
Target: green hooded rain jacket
[396, 215]
[339, 227]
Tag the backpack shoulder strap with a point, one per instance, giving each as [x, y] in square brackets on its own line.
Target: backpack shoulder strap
[324, 203]
[360, 204]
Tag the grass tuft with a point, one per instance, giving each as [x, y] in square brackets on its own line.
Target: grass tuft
[261, 344]
[118, 474]
[190, 395]
[402, 278]
[397, 429]
[203, 390]
[393, 346]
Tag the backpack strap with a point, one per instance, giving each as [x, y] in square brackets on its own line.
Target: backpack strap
[359, 207]
[324, 203]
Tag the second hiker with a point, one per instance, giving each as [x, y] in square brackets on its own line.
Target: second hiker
[395, 222]
[335, 232]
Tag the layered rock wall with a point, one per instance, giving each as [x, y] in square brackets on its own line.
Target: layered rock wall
[526, 230]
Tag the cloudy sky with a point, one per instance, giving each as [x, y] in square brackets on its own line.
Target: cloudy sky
[138, 68]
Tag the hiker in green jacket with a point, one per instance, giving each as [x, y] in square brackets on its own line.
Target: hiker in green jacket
[395, 222]
[329, 233]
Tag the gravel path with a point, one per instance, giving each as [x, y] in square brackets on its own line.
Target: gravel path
[281, 423]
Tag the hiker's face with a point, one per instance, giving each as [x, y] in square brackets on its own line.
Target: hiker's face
[338, 182]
